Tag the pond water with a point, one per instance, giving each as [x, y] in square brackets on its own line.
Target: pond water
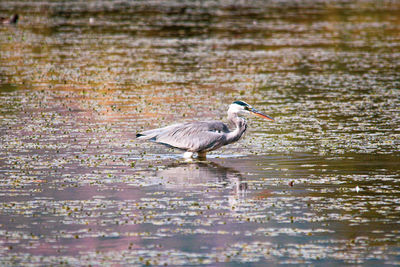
[320, 185]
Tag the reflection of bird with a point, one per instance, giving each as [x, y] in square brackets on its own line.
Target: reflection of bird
[12, 20]
[203, 136]
[200, 174]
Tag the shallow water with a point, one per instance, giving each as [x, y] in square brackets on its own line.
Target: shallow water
[320, 185]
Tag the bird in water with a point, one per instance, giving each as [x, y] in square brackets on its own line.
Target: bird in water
[203, 136]
[11, 20]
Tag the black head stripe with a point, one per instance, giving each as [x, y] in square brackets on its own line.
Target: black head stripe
[241, 103]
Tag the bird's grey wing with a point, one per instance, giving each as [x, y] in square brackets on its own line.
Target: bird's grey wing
[154, 133]
[215, 126]
[197, 136]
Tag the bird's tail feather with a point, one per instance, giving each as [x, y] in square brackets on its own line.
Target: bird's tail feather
[148, 135]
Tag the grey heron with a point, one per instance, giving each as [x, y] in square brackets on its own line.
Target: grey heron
[203, 136]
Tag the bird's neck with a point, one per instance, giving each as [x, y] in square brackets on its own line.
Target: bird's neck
[240, 127]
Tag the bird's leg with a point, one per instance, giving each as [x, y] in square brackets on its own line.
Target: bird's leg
[188, 155]
[202, 155]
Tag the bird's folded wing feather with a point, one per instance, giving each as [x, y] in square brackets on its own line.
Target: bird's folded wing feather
[197, 136]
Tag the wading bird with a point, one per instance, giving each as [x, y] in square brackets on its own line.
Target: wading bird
[11, 20]
[203, 136]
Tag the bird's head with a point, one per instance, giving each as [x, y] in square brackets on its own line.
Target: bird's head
[240, 107]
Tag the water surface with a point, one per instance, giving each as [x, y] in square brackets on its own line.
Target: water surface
[320, 185]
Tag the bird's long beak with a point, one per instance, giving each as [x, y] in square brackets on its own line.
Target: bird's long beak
[260, 114]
